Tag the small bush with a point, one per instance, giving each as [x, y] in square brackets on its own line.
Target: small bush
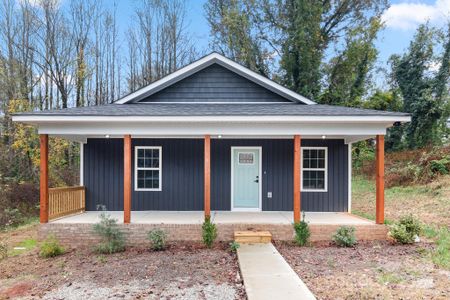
[157, 239]
[302, 232]
[113, 239]
[406, 229]
[209, 232]
[3, 250]
[345, 236]
[440, 166]
[234, 246]
[50, 248]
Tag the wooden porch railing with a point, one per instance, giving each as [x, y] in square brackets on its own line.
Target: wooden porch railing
[65, 201]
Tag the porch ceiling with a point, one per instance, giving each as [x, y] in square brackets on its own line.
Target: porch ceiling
[218, 217]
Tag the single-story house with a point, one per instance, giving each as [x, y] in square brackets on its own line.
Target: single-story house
[213, 136]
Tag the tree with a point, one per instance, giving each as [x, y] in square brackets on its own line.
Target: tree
[159, 43]
[233, 33]
[422, 89]
[347, 74]
[302, 31]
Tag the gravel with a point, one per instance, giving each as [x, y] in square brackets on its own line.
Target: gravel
[142, 289]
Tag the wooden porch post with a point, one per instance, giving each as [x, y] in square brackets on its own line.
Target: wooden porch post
[207, 183]
[380, 179]
[297, 178]
[43, 187]
[127, 178]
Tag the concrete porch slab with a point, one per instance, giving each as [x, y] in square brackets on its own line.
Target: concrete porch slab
[218, 217]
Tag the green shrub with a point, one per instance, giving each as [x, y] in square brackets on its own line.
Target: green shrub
[113, 239]
[3, 250]
[302, 232]
[234, 246]
[50, 248]
[209, 232]
[406, 229]
[157, 239]
[345, 236]
[440, 166]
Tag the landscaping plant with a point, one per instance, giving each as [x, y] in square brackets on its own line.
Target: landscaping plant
[406, 229]
[234, 246]
[302, 232]
[345, 236]
[50, 248]
[209, 232]
[3, 250]
[112, 236]
[157, 239]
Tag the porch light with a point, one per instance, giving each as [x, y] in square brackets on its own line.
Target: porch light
[107, 136]
[219, 136]
[324, 137]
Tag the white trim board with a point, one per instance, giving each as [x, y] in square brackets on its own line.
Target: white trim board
[203, 63]
[349, 208]
[212, 128]
[259, 148]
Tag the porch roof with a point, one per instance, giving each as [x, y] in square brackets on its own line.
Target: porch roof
[214, 109]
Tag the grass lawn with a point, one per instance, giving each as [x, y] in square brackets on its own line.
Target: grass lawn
[430, 203]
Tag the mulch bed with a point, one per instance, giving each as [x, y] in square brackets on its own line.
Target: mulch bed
[181, 265]
[371, 270]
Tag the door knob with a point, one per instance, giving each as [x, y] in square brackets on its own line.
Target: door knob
[257, 179]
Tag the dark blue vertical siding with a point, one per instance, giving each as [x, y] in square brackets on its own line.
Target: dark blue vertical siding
[182, 175]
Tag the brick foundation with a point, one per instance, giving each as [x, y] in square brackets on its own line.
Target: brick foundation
[136, 234]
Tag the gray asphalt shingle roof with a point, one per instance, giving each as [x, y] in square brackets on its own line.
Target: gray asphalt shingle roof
[179, 109]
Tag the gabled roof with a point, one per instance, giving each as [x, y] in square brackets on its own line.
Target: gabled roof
[216, 109]
[213, 58]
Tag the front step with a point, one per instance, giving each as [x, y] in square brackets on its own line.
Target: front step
[250, 237]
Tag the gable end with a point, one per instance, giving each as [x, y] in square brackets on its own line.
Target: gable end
[214, 84]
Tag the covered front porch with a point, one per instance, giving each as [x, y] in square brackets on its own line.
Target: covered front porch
[197, 184]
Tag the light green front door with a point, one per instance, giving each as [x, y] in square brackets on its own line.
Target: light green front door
[246, 178]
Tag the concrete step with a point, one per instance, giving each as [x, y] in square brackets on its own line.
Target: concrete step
[250, 237]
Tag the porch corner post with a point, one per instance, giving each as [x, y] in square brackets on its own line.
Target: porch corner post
[43, 184]
[297, 178]
[207, 179]
[127, 179]
[380, 179]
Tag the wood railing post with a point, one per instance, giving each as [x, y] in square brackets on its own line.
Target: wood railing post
[207, 175]
[297, 178]
[380, 179]
[43, 186]
[127, 179]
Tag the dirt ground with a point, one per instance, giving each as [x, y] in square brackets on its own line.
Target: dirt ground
[187, 271]
[371, 270]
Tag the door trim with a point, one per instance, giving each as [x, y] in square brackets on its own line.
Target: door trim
[259, 149]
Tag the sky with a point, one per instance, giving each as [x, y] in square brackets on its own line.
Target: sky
[401, 19]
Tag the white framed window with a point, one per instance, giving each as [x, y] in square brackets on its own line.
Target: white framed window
[147, 168]
[314, 169]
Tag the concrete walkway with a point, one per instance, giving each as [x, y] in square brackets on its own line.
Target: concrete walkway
[267, 275]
